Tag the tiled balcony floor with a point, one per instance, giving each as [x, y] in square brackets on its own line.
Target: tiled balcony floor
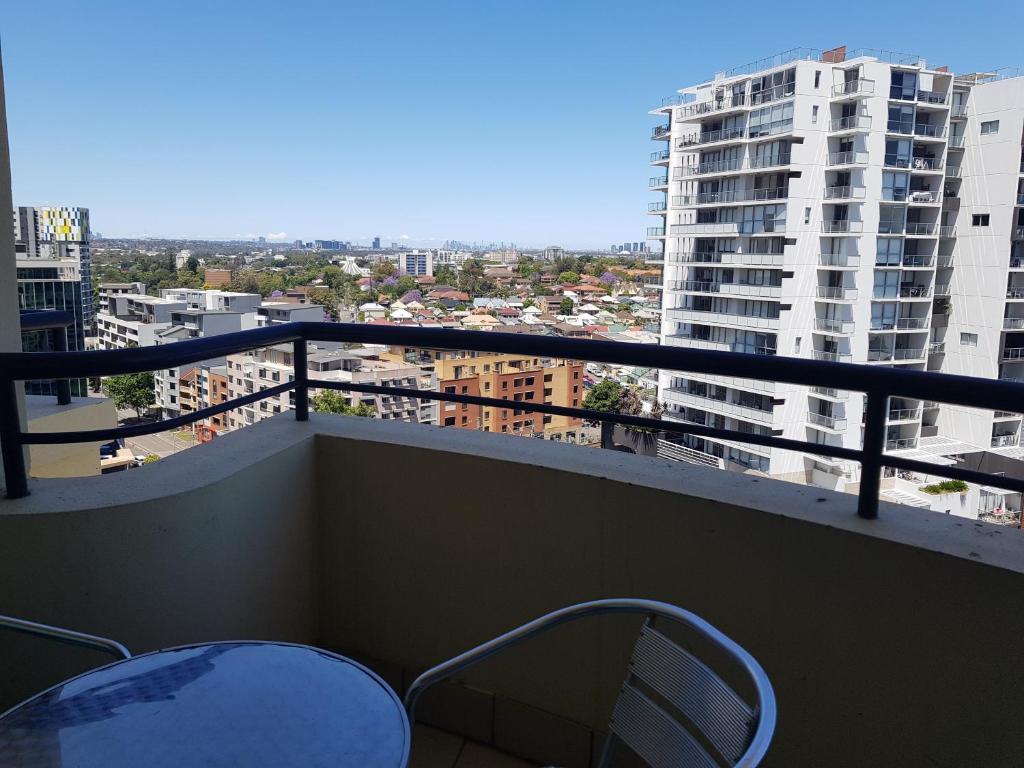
[433, 748]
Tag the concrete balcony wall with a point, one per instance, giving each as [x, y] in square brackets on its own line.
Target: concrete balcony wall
[407, 544]
[71, 459]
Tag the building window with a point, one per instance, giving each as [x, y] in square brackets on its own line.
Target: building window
[807, 215]
[979, 220]
[989, 126]
[814, 112]
[969, 339]
[817, 78]
[449, 422]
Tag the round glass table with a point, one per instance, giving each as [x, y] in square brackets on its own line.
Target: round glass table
[220, 704]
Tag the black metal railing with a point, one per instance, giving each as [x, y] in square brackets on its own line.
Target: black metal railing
[879, 384]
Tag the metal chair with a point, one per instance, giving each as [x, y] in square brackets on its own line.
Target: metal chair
[673, 711]
[65, 636]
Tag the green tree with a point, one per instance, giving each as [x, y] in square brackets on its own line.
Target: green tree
[192, 265]
[150, 458]
[329, 401]
[604, 397]
[446, 275]
[569, 277]
[130, 390]
[566, 306]
[326, 298]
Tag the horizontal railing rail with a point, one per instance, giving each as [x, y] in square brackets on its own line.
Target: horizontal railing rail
[879, 384]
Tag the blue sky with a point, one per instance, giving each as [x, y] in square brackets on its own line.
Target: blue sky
[518, 121]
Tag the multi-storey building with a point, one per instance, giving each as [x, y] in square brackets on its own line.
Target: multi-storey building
[416, 263]
[814, 205]
[211, 299]
[515, 378]
[266, 368]
[106, 290]
[59, 235]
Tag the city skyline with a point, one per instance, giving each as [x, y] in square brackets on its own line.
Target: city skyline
[222, 126]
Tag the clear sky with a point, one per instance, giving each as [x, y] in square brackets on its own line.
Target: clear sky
[520, 121]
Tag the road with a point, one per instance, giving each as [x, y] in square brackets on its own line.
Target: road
[160, 443]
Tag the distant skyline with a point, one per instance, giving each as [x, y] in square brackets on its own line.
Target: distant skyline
[442, 120]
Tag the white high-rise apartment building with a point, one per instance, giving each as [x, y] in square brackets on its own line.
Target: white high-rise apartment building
[845, 207]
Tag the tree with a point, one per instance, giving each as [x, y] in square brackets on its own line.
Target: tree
[569, 277]
[566, 306]
[130, 390]
[446, 275]
[192, 265]
[326, 298]
[604, 397]
[150, 458]
[329, 401]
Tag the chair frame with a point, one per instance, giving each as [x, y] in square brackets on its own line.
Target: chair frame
[765, 710]
[70, 636]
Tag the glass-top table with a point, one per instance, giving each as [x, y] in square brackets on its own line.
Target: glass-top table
[220, 704]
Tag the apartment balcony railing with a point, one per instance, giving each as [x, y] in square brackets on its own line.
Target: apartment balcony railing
[775, 93]
[824, 420]
[932, 97]
[655, 231]
[731, 196]
[958, 111]
[847, 158]
[952, 171]
[850, 123]
[836, 293]
[942, 289]
[900, 323]
[929, 131]
[1013, 353]
[657, 207]
[860, 87]
[831, 357]
[922, 196]
[901, 444]
[845, 192]
[947, 230]
[730, 257]
[956, 141]
[878, 385]
[1013, 323]
[708, 317]
[1020, 199]
[661, 131]
[839, 260]
[1018, 233]
[912, 261]
[905, 127]
[696, 109]
[713, 166]
[718, 405]
[1017, 262]
[904, 414]
[830, 392]
[921, 228]
[831, 325]
[657, 181]
[771, 160]
[710, 137]
[660, 156]
[915, 291]
[842, 226]
[1015, 293]
[937, 348]
[1002, 441]
[926, 164]
[909, 353]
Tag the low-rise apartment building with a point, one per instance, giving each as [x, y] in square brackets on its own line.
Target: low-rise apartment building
[515, 378]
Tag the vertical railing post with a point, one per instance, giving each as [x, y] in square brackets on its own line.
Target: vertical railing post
[301, 381]
[876, 411]
[60, 344]
[15, 471]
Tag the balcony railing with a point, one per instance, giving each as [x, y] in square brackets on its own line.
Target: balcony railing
[848, 158]
[958, 110]
[657, 181]
[878, 385]
[1017, 262]
[901, 443]
[860, 87]
[947, 230]
[831, 357]
[831, 325]
[850, 123]
[730, 257]
[1013, 323]
[655, 231]
[1015, 293]
[1018, 233]
[656, 207]
[956, 141]
[710, 137]
[952, 171]
[825, 420]
[942, 289]
[932, 97]
[1020, 199]
[839, 260]
[836, 293]
[660, 156]
[929, 131]
[904, 414]
[921, 228]
[1002, 441]
[845, 192]
[841, 226]
[1013, 353]
[734, 101]
[915, 291]
[661, 131]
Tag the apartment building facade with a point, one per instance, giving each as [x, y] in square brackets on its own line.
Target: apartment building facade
[515, 378]
[811, 208]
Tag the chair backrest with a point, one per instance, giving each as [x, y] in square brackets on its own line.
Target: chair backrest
[675, 712]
